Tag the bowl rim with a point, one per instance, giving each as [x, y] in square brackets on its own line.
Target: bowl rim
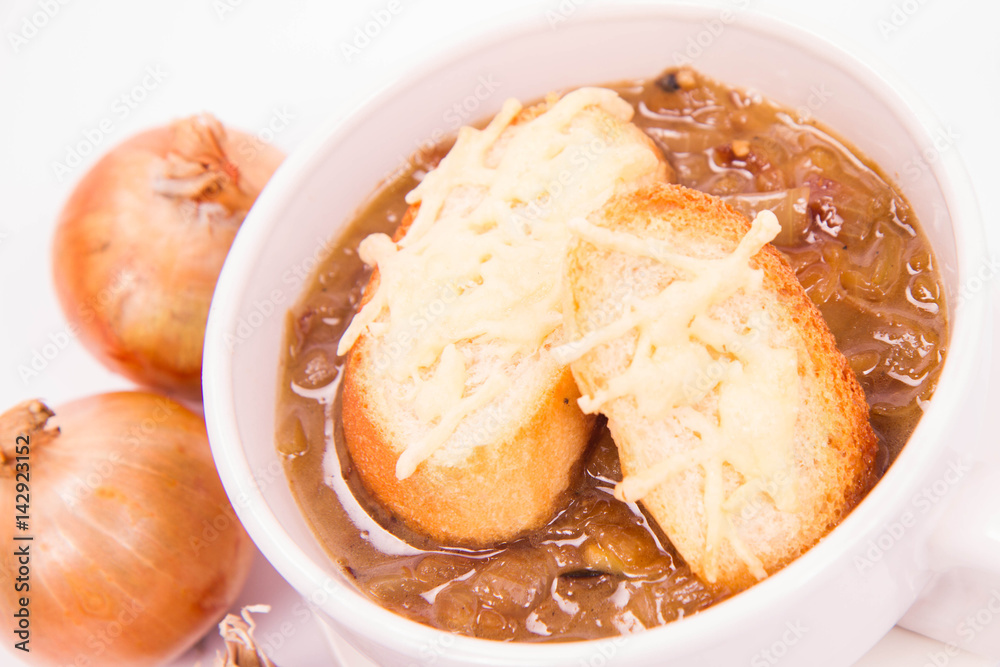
[373, 620]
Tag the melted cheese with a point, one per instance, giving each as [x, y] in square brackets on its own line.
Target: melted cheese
[707, 380]
[475, 286]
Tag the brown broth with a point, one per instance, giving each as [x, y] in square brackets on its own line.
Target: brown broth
[600, 567]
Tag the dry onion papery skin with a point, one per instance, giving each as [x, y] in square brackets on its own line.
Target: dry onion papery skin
[141, 241]
[136, 552]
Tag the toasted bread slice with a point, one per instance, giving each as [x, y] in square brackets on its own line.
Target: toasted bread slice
[739, 423]
[457, 416]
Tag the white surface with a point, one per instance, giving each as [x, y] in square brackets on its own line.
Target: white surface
[261, 61]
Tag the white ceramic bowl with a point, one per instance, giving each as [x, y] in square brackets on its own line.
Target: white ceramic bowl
[829, 606]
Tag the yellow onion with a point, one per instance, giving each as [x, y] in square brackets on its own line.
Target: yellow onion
[135, 551]
[141, 240]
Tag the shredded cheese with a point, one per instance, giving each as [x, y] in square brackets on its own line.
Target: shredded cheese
[684, 354]
[475, 286]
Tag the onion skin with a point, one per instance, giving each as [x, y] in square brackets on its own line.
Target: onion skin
[137, 552]
[141, 241]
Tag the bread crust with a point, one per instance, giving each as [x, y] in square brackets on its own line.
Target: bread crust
[512, 484]
[834, 445]
[504, 470]
[499, 492]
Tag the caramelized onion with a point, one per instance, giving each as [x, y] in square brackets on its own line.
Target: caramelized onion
[789, 206]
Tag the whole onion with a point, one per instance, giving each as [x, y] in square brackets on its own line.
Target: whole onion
[135, 549]
[141, 240]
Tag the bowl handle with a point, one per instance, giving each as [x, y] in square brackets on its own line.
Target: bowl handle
[961, 604]
[968, 535]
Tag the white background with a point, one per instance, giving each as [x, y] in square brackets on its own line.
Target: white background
[252, 62]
